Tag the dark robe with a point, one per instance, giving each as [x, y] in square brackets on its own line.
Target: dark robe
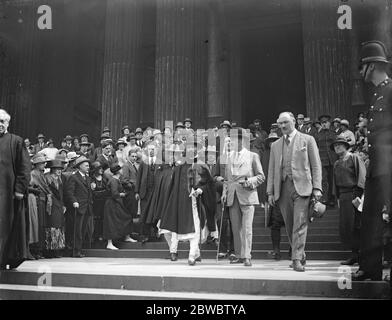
[100, 195]
[117, 221]
[14, 177]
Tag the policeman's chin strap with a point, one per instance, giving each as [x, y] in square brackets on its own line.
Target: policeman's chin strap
[366, 70]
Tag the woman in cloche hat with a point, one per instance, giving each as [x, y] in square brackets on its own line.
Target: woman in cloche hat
[54, 220]
[117, 223]
[349, 179]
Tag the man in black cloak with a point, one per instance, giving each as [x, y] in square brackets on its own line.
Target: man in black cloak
[14, 180]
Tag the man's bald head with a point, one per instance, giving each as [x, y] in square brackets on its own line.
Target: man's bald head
[286, 122]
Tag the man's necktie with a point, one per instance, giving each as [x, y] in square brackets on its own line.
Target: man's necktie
[287, 140]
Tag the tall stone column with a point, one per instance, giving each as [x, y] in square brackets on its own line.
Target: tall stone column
[327, 60]
[19, 65]
[217, 66]
[178, 68]
[122, 65]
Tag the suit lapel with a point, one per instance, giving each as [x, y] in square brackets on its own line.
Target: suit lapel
[84, 182]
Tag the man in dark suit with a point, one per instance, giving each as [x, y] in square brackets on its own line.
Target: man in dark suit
[144, 189]
[324, 138]
[40, 145]
[139, 136]
[294, 175]
[301, 123]
[378, 186]
[79, 193]
[107, 159]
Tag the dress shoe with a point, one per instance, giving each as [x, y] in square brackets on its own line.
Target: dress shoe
[191, 262]
[359, 276]
[222, 256]
[78, 255]
[297, 266]
[247, 263]
[237, 260]
[111, 247]
[129, 239]
[198, 259]
[232, 257]
[173, 256]
[303, 262]
[349, 262]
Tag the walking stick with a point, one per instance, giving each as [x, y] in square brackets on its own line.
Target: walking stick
[220, 232]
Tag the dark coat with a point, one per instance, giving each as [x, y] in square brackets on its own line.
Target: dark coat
[56, 217]
[79, 190]
[14, 177]
[106, 164]
[141, 181]
[324, 139]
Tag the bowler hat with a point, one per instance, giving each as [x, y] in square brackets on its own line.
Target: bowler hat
[373, 51]
[307, 121]
[131, 136]
[105, 129]
[81, 160]
[187, 120]
[105, 136]
[55, 164]
[39, 158]
[124, 127]
[300, 116]
[85, 144]
[336, 120]
[324, 117]
[339, 140]
[83, 135]
[62, 150]
[106, 143]
[115, 168]
[40, 136]
[256, 120]
[274, 125]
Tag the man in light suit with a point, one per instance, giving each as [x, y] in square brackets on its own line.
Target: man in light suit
[294, 175]
[243, 175]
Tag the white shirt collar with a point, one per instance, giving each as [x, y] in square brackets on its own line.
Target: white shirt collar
[292, 134]
[82, 174]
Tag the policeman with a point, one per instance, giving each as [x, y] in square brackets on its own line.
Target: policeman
[373, 68]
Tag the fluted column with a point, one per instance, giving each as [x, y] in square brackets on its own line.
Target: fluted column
[217, 65]
[122, 65]
[19, 65]
[327, 60]
[178, 69]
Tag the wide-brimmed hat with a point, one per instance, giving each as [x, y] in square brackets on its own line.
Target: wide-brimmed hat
[274, 125]
[40, 136]
[225, 123]
[81, 160]
[345, 122]
[125, 127]
[273, 136]
[68, 138]
[71, 156]
[121, 141]
[256, 120]
[62, 150]
[50, 141]
[156, 132]
[115, 168]
[61, 158]
[106, 143]
[180, 125]
[85, 144]
[307, 121]
[339, 140]
[39, 158]
[138, 130]
[55, 164]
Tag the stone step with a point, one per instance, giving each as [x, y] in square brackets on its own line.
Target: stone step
[208, 254]
[309, 238]
[311, 231]
[255, 246]
[144, 278]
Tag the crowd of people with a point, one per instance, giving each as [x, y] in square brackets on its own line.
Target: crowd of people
[183, 183]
